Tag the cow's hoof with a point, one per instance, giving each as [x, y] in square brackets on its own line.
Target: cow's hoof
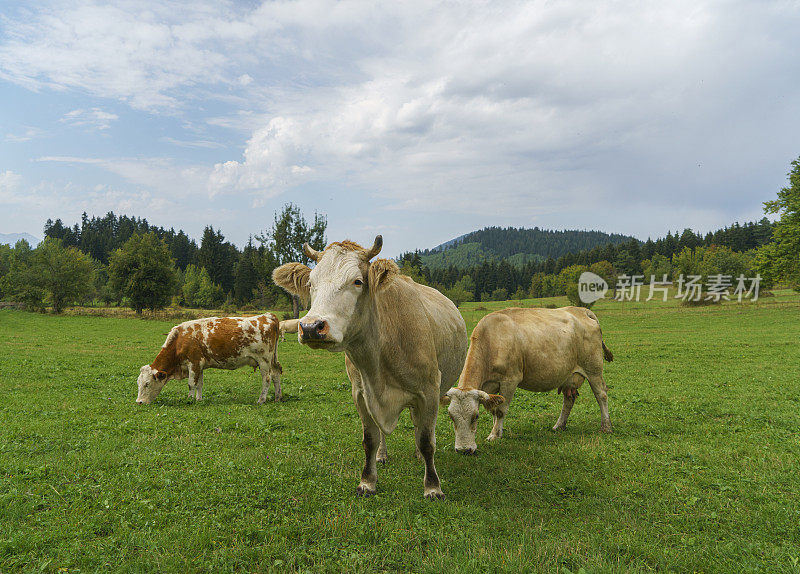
[492, 437]
[382, 460]
[363, 491]
[434, 495]
[606, 428]
[261, 400]
[279, 399]
[559, 428]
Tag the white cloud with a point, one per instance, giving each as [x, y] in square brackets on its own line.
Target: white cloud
[193, 143]
[27, 134]
[161, 176]
[92, 119]
[542, 111]
[9, 186]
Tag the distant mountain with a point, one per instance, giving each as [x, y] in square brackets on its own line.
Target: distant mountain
[12, 238]
[517, 245]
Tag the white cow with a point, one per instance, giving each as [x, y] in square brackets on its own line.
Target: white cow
[404, 343]
[533, 349]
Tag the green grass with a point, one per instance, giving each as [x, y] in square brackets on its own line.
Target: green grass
[700, 474]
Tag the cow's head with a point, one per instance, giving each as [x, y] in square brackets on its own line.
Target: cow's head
[338, 288]
[150, 381]
[463, 408]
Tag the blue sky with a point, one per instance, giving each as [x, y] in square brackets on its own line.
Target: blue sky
[417, 120]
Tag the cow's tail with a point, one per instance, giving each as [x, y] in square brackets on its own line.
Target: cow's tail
[607, 354]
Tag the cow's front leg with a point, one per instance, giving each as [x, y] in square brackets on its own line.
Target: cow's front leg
[383, 454]
[425, 435]
[499, 414]
[195, 374]
[371, 441]
[198, 389]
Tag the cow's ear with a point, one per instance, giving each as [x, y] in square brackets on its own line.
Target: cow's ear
[381, 273]
[491, 402]
[294, 277]
[161, 375]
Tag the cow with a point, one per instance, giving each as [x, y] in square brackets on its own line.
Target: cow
[404, 344]
[533, 349]
[214, 342]
[288, 326]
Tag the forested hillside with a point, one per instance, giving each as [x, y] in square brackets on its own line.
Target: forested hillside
[730, 250]
[517, 245]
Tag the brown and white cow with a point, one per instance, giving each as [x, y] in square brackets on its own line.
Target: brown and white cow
[404, 343]
[533, 349]
[214, 342]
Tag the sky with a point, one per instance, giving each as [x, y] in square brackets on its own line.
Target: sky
[420, 121]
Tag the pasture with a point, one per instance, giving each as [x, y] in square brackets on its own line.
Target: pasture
[699, 475]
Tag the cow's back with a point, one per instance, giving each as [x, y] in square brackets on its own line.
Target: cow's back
[543, 346]
[422, 325]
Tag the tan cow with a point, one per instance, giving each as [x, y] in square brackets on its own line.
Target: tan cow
[288, 326]
[214, 342]
[533, 349]
[404, 343]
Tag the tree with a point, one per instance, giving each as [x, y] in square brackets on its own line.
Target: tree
[218, 257]
[18, 283]
[246, 274]
[286, 237]
[656, 268]
[143, 271]
[605, 270]
[459, 292]
[568, 278]
[62, 275]
[780, 260]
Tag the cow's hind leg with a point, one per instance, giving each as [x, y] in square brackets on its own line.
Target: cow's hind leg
[570, 394]
[371, 441]
[275, 374]
[269, 373]
[600, 391]
[425, 435]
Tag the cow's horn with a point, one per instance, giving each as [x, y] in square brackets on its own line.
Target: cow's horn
[310, 252]
[376, 247]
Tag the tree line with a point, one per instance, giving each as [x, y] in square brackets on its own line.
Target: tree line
[121, 260]
[517, 245]
[728, 250]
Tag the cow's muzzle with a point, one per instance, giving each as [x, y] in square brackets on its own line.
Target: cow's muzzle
[314, 331]
[466, 450]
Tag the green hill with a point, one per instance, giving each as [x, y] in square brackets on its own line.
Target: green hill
[516, 245]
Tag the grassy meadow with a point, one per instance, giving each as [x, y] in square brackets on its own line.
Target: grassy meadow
[701, 473]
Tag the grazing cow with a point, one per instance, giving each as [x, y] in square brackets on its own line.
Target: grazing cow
[215, 342]
[404, 343]
[288, 326]
[533, 349]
